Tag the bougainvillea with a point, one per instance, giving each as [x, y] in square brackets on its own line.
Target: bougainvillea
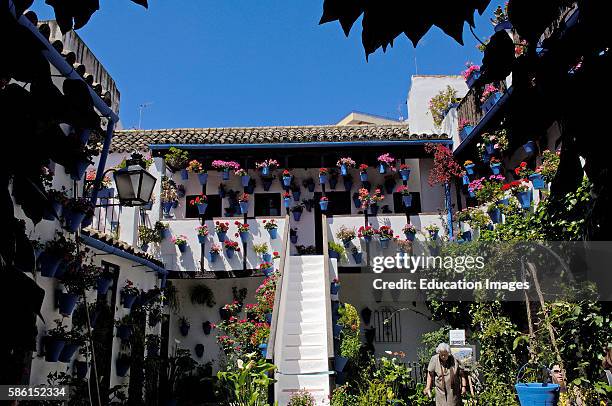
[444, 167]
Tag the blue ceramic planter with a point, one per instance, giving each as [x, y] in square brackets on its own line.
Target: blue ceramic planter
[273, 233]
[495, 216]
[202, 239]
[405, 174]
[471, 193]
[267, 257]
[184, 174]
[343, 170]
[244, 207]
[221, 236]
[296, 196]
[268, 271]
[214, 256]
[524, 199]
[67, 303]
[490, 148]
[106, 193]
[358, 257]
[529, 148]
[470, 169]
[322, 179]
[293, 239]
[504, 25]
[323, 204]
[266, 184]
[471, 80]
[244, 236]
[496, 169]
[53, 349]
[265, 170]
[73, 220]
[128, 300]
[166, 207]
[466, 180]
[333, 254]
[229, 254]
[297, 215]
[465, 131]
[202, 208]
[225, 174]
[410, 235]
[340, 363]
[182, 248]
[348, 185]
[245, 180]
[540, 394]
[287, 181]
[67, 352]
[407, 200]
[384, 243]
[433, 235]
[491, 100]
[357, 203]
[334, 288]
[537, 181]
[263, 349]
[268, 317]
[165, 233]
[287, 202]
[103, 284]
[367, 238]
[374, 209]
[203, 178]
[48, 264]
[505, 201]
[363, 176]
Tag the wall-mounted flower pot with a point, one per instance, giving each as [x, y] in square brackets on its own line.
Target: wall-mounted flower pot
[81, 368]
[529, 148]
[367, 238]
[184, 329]
[103, 284]
[410, 235]
[357, 202]
[106, 193]
[245, 180]
[297, 215]
[495, 216]
[77, 172]
[287, 181]
[334, 288]
[311, 187]
[182, 247]
[389, 187]
[490, 148]
[496, 169]
[53, 348]
[202, 239]
[348, 185]
[225, 314]
[537, 181]
[184, 174]
[122, 366]
[266, 184]
[268, 271]
[67, 352]
[207, 327]
[434, 235]
[465, 131]
[61, 269]
[471, 80]
[363, 176]
[225, 174]
[333, 182]
[128, 300]
[199, 350]
[124, 332]
[471, 193]
[323, 204]
[537, 393]
[504, 25]
[267, 257]
[54, 210]
[221, 235]
[340, 363]
[244, 236]
[337, 329]
[343, 170]
[73, 219]
[470, 169]
[263, 349]
[322, 179]
[48, 264]
[296, 195]
[287, 202]
[366, 315]
[202, 208]
[407, 200]
[273, 233]
[67, 303]
[374, 209]
[265, 170]
[214, 256]
[382, 168]
[405, 174]
[244, 207]
[384, 243]
[268, 317]
[358, 257]
[490, 101]
[166, 207]
[524, 199]
[340, 378]
[333, 254]
[229, 253]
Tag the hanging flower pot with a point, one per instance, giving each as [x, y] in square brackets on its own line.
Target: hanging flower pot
[293, 238]
[79, 170]
[490, 148]
[273, 232]
[124, 332]
[358, 257]
[382, 168]
[182, 246]
[73, 219]
[374, 209]
[410, 235]
[67, 352]
[322, 178]
[265, 170]
[339, 363]
[166, 207]
[524, 199]
[207, 327]
[433, 234]
[472, 77]
[202, 208]
[226, 174]
[175, 204]
[504, 201]
[245, 179]
[225, 314]
[296, 195]
[348, 185]
[267, 257]
[263, 349]
[356, 202]
[471, 193]
[221, 235]
[495, 215]
[202, 239]
[537, 181]
[244, 207]
[343, 170]
[48, 264]
[81, 368]
[490, 101]
[287, 180]
[199, 350]
[55, 210]
[384, 243]
[214, 256]
[323, 204]
[405, 174]
[466, 180]
[287, 202]
[465, 131]
[103, 284]
[229, 253]
[537, 393]
[363, 176]
[128, 299]
[184, 174]
[222, 192]
[203, 178]
[266, 183]
[407, 200]
[496, 168]
[297, 215]
[337, 330]
[334, 254]
[53, 348]
[334, 288]
[184, 329]
[67, 303]
[122, 366]
[470, 169]
[529, 148]
[61, 269]
[367, 238]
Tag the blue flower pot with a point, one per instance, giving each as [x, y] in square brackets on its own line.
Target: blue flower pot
[106, 193]
[348, 185]
[471, 80]
[491, 101]
[363, 176]
[175, 204]
[73, 219]
[202, 208]
[467, 235]
[505, 201]
[410, 235]
[524, 199]
[465, 131]
[382, 168]
[374, 209]
[263, 349]
[405, 174]
[384, 243]
[490, 148]
[202, 239]
[166, 207]
[297, 215]
[358, 257]
[103, 284]
[287, 181]
[144, 247]
[184, 174]
[226, 174]
[537, 181]
[245, 180]
[367, 238]
[268, 271]
[53, 349]
[165, 233]
[389, 187]
[504, 25]
[214, 256]
[495, 215]
[229, 254]
[222, 236]
[79, 170]
[323, 204]
[340, 363]
[266, 184]
[124, 332]
[332, 183]
[322, 179]
[357, 203]
[122, 367]
[267, 257]
[203, 178]
[407, 200]
[470, 169]
[61, 269]
[128, 300]
[244, 236]
[296, 196]
[265, 170]
[244, 207]
[286, 202]
[496, 169]
[67, 303]
[182, 248]
[273, 233]
[311, 187]
[268, 317]
[343, 170]
[466, 180]
[471, 193]
[184, 329]
[48, 264]
[434, 235]
[293, 239]
[337, 330]
[333, 254]
[334, 288]
[540, 394]
[67, 352]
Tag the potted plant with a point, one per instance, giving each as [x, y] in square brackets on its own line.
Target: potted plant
[221, 230]
[309, 184]
[215, 251]
[323, 203]
[199, 350]
[168, 196]
[346, 235]
[348, 182]
[54, 342]
[272, 228]
[344, 164]
[286, 177]
[75, 211]
[465, 128]
[335, 286]
[104, 281]
[262, 250]
[266, 182]
[177, 159]
[293, 235]
[243, 201]
[384, 161]
[471, 74]
[490, 96]
[366, 232]
[146, 236]
[202, 234]
[406, 195]
[404, 171]
[243, 230]
[336, 250]
[201, 202]
[124, 327]
[225, 167]
[184, 326]
[163, 229]
[230, 247]
[409, 231]
[357, 255]
[267, 268]
[152, 342]
[494, 212]
[433, 230]
[245, 179]
[202, 295]
[495, 165]
[500, 19]
[297, 211]
[207, 326]
[286, 199]
[374, 199]
[530, 147]
[333, 178]
[181, 242]
[469, 167]
[76, 280]
[323, 173]
[363, 172]
[523, 193]
[266, 166]
[385, 235]
[57, 199]
[128, 294]
[55, 252]
[196, 167]
[441, 103]
[122, 364]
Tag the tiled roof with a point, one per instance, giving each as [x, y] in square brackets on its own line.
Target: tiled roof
[110, 240]
[130, 140]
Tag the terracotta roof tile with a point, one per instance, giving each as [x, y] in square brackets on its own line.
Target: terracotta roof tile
[110, 240]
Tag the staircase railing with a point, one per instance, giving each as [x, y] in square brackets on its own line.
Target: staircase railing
[280, 284]
[328, 310]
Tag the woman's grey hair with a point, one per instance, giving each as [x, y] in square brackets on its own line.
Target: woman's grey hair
[443, 347]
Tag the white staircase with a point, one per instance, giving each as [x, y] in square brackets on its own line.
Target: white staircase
[300, 352]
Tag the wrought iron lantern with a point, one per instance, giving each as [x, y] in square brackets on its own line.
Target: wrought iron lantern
[134, 184]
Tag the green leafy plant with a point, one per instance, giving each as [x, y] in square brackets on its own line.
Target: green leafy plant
[301, 398]
[338, 248]
[440, 103]
[148, 235]
[247, 384]
[177, 158]
[202, 295]
[350, 344]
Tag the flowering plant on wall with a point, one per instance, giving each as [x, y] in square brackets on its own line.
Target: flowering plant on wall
[323, 171]
[268, 163]
[201, 199]
[550, 164]
[403, 190]
[516, 186]
[242, 227]
[463, 123]
[91, 177]
[215, 249]
[347, 162]
[225, 165]
[221, 227]
[470, 68]
[231, 245]
[404, 245]
[240, 172]
[377, 196]
[441, 103]
[523, 170]
[386, 159]
[195, 166]
[179, 240]
[409, 228]
[202, 230]
[129, 289]
[444, 167]
[346, 234]
[363, 168]
[488, 91]
[270, 224]
[366, 231]
[244, 197]
[385, 232]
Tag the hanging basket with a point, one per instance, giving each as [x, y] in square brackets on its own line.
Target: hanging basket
[67, 303]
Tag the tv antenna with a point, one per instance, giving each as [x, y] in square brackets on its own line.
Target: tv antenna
[140, 111]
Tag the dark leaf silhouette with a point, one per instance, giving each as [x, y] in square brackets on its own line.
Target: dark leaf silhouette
[498, 57]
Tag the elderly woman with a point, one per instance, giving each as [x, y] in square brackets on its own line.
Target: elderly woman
[449, 379]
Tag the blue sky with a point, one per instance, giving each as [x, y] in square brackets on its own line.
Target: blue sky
[206, 63]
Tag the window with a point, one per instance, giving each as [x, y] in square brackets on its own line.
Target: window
[267, 204]
[415, 208]
[213, 209]
[388, 327]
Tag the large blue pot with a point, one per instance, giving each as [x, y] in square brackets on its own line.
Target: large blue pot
[265, 170]
[465, 131]
[128, 300]
[103, 284]
[410, 235]
[297, 215]
[214, 256]
[244, 235]
[229, 254]
[374, 209]
[323, 204]
[184, 174]
[358, 257]
[339, 363]
[287, 181]
[53, 349]
[470, 169]
[221, 236]
[67, 352]
[384, 243]
[407, 200]
[267, 257]
[296, 195]
[273, 233]
[363, 176]
[537, 181]
[322, 179]
[79, 170]
[245, 180]
[334, 288]
[524, 199]
[244, 207]
[73, 220]
[202, 208]
[203, 178]
[496, 169]
[471, 80]
[495, 215]
[67, 303]
[48, 264]
[537, 394]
